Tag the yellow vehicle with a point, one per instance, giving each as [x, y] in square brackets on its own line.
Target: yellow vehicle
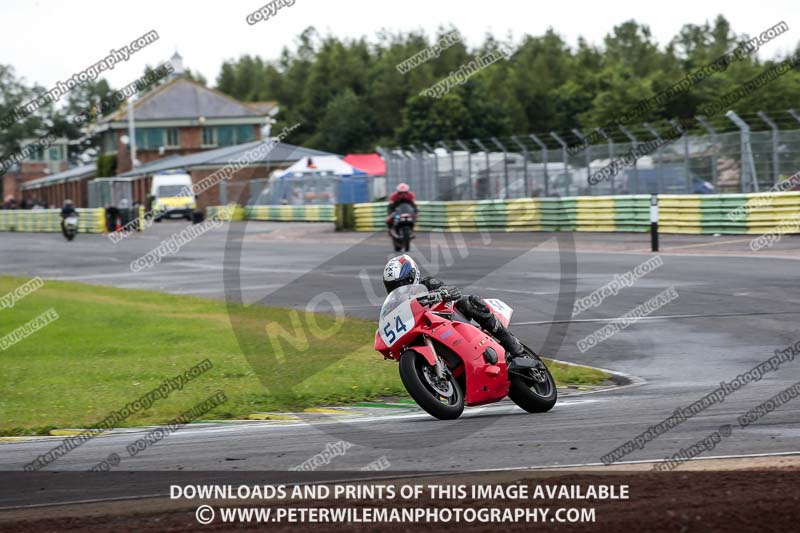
[172, 196]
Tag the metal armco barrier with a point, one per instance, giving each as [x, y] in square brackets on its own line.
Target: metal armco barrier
[49, 220]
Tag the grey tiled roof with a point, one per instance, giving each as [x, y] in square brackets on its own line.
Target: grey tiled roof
[281, 153]
[78, 172]
[185, 99]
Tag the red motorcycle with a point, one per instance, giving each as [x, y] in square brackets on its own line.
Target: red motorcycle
[447, 361]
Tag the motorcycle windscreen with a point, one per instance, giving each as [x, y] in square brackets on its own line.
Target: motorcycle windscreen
[397, 317]
[501, 310]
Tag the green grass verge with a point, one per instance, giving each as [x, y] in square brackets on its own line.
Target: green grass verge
[110, 346]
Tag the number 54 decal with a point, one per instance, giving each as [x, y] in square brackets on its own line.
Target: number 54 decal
[392, 333]
[397, 324]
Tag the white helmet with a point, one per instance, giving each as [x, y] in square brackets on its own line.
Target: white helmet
[399, 271]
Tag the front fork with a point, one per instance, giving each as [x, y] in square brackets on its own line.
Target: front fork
[439, 368]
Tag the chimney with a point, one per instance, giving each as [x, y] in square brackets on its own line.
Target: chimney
[177, 64]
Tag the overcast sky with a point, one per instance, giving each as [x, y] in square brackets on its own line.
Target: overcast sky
[50, 40]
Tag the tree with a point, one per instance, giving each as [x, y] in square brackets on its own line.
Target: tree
[544, 85]
[427, 119]
[13, 130]
[345, 126]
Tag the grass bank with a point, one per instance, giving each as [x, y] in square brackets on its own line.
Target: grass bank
[110, 346]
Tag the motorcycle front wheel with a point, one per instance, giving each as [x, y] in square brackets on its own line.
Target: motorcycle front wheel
[439, 397]
[406, 232]
[535, 391]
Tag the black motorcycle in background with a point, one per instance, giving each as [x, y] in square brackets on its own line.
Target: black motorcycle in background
[402, 231]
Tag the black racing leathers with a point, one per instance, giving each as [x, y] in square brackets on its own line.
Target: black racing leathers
[474, 308]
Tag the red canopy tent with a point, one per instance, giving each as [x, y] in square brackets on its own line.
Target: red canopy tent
[372, 164]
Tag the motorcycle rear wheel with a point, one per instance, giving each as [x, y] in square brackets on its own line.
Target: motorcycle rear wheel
[532, 395]
[441, 399]
[406, 232]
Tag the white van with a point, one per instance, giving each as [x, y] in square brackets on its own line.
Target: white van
[172, 195]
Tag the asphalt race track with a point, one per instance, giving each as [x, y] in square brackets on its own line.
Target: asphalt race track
[735, 307]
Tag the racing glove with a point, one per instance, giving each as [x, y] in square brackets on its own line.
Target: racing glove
[450, 293]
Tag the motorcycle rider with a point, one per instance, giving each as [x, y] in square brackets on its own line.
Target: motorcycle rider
[403, 270]
[68, 210]
[401, 195]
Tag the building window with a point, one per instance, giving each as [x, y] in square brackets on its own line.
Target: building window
[110, 140]
[209, 136]
[172, 137]
[245, 134]
[227, 135]
[149, 138]
[55, 153]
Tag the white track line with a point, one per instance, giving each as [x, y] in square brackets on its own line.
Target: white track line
[636, 462]
[658, 317]
[469, 412]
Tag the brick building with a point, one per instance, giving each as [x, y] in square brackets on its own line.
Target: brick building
[172, 122]
[42, 163]
[272, 156]
[180, 117]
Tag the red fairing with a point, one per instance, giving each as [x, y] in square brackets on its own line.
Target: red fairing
[380, 346]
[483, 382]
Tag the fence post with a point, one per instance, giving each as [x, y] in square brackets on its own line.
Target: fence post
[610, 141]
[505, 165]
[424, 187]
[486, 153]
[654, 222]
[677, 125]
[524, 164]
[660, 154]
[543, 148]
[747, 163]
[432, 150]
[469, 167]
[414, 172]
[567, 177]
[711, 131]
[449, 152]
[588, 155]
[776, 172]
[405, 170]
[402, 170]
[634, 146]
[387, 156]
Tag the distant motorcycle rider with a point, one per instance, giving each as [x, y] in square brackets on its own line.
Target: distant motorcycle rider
[68, 210]
[401, 195]
[403, 270]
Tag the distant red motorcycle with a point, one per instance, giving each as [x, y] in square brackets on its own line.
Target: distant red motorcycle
[446, 361]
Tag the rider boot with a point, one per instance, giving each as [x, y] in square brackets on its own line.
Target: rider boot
[476, 309]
